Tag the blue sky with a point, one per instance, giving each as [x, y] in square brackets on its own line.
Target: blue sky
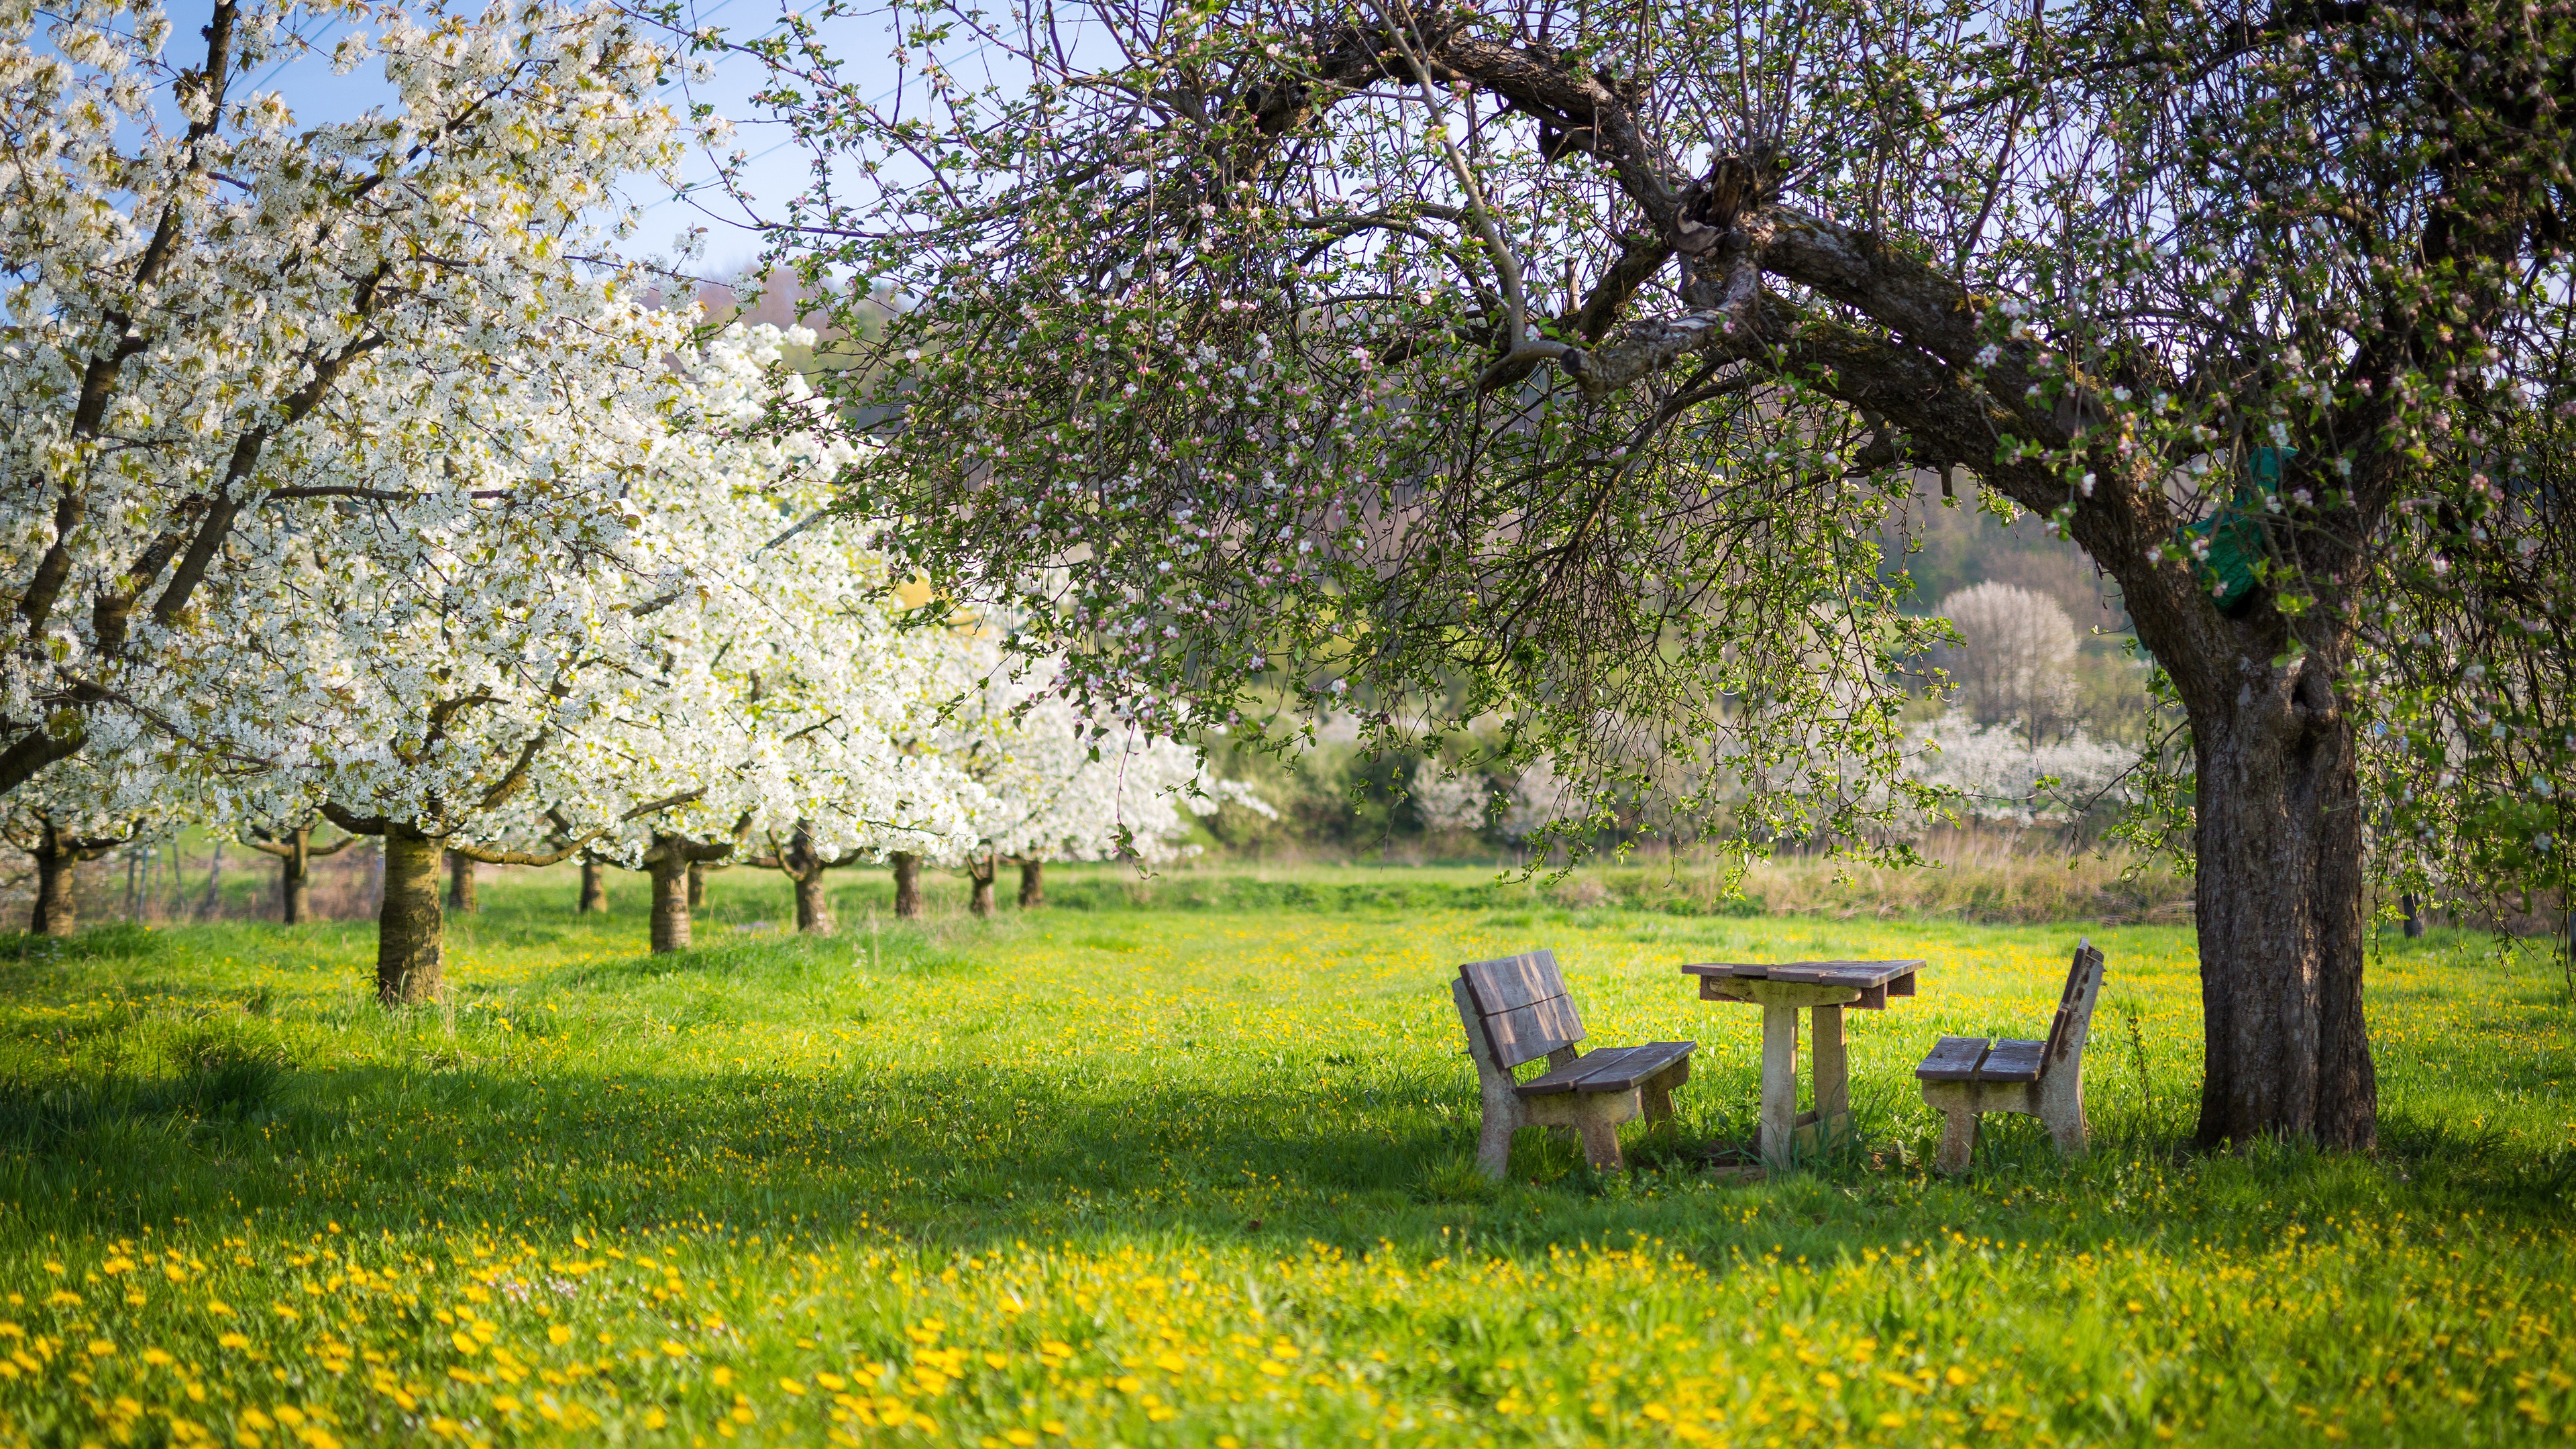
[780, 170]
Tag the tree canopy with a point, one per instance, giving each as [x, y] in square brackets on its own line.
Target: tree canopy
[1557, 363]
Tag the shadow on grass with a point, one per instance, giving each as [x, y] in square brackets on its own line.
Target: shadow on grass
[977, 1157]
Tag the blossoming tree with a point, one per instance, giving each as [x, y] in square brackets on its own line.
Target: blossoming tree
[1505, 357]
[208, 296]
[1058, 784]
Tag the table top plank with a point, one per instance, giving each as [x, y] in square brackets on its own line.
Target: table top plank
[1818, 973]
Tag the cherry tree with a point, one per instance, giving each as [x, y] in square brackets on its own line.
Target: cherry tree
[487, 671]
[1559, 364]
[1061, 784]
[292, 847]
[225, 324]
[71, 812]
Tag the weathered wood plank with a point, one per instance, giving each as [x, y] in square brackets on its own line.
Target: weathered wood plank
[1953, 1059]
[1838, 973]
[2082, 979]
[1527, 1033]
[1635, 1065]
[1514, 981]
[1612, 1069]
[2012, 1061]
[1563, 1079]
[1792, 993]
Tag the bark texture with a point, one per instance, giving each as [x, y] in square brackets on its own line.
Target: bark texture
[980, 869]
[54, 914]
[2279, 903]
[594, 888]
[907, 885]
[1032, 884]
[410, 929]
[671, 921]
[813, 907]
[460, 882]
[672, 862]
[294, 892]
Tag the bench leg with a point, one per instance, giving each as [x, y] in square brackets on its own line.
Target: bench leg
[1958, 1140]
[1656, 1098]
[1494, 1142]
[1601, 1145]
[2061, 1110]
[1504, 1112]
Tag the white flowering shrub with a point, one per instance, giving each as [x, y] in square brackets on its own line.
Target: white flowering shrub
[2015, 659]
[1992, 772]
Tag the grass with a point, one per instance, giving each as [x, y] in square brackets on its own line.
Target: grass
[1201, 1177]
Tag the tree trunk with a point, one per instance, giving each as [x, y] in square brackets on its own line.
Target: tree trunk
[54, 914]
[813, 908]
[213, 906]
[295, 878]
[2280, 913]
[907, 885]
[697, 884]
[460, 882]
[410, 931]
[594, 888]
[670, 876]
[981, 869]
[2414, 922]
[1032, 884]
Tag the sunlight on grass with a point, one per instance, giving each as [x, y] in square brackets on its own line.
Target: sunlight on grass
[1199, 1177]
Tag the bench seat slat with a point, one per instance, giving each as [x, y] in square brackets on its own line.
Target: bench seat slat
[1615, 1069]
[1953, 1059]
[2012, 1061]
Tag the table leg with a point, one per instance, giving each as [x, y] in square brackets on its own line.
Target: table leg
[1779, 1084]
[1833, 1077]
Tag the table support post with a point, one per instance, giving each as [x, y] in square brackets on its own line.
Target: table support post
[1833, 1078]
[1779, 1084]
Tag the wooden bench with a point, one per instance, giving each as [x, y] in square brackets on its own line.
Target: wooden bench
[1968, 1075]
[1516, 1011]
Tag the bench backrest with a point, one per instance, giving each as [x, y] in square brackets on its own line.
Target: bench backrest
[2074, 1021]
[1523, 1007]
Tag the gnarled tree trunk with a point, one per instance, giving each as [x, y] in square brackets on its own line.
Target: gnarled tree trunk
[2279, 904]
[813, 907]
[1032, 883]
[410, 931]
[295, 878]
[980, 869]
[54, 913]
[460, 882]
[907, 885]
[594, 888]
[669, 873]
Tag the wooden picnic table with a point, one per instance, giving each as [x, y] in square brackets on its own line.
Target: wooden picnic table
[1823, 988]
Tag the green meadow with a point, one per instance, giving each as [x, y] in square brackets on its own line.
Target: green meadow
[1189, 1165]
